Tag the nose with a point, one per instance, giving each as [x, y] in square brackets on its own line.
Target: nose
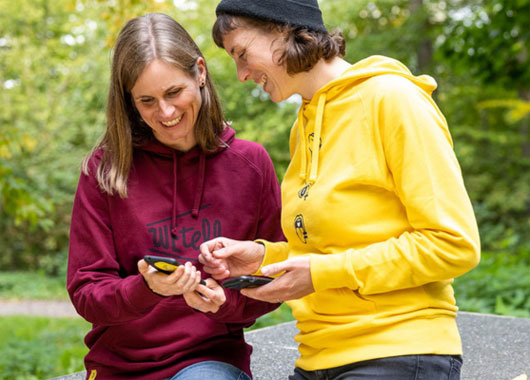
[166, 108]
[243, 74]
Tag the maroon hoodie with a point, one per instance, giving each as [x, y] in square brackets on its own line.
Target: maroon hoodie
[175, 202]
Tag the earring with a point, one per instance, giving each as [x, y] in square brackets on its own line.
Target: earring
[202, 83]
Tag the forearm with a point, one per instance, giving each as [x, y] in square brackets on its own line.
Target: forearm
[413, 259]
[108, 300]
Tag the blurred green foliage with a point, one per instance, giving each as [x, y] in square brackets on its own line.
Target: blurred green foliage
[54, 68]
[17, 285]
[35, 348]
[499, 285]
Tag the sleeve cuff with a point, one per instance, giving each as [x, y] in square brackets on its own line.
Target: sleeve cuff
[274, 253]
[227, 309]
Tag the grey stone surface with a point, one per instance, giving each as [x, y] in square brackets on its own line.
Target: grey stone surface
[45, 308]
[495, 348]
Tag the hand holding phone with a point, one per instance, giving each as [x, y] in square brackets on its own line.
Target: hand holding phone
[165, 265]
[243, 282]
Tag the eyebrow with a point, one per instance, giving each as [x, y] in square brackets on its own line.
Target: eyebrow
[169, 89]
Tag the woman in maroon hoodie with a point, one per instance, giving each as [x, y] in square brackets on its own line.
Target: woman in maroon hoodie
[167, 175]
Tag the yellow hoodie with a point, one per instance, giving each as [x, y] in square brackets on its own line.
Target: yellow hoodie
[374, 194]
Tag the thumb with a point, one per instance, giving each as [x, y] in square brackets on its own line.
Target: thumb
[143, 267]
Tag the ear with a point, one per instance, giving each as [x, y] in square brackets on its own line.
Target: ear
[201, 69]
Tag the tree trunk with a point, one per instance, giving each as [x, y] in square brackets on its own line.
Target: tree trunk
[425, 52]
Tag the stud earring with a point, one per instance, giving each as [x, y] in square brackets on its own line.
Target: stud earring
[202, 83]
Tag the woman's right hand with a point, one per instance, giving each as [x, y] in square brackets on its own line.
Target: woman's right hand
[224, 257]
[183, 280]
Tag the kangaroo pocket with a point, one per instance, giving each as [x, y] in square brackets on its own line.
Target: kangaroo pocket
[171, 328]
[332, 305]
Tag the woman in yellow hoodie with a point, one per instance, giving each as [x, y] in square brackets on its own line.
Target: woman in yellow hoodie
[374, 207]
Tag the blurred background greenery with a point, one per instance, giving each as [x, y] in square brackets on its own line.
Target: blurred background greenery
[54, 68]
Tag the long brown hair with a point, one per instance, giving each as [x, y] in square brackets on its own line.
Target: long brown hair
[301, 49]
[142, 40]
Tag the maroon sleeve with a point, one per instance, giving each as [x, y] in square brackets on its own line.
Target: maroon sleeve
[94, 284]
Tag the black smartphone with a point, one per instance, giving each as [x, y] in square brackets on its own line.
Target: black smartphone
[242, 282]
[165, 265]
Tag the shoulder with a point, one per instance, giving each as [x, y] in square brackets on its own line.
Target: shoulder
[249, 154]
[250, 150]
[391, 92]
[91, 162]
[388, 85]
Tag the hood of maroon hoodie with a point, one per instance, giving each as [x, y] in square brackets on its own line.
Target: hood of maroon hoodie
[188, 168]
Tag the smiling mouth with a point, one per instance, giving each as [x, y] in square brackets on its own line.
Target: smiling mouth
[172, 123]
[263, 81]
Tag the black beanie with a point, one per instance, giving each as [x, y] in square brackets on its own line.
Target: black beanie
[305, 13]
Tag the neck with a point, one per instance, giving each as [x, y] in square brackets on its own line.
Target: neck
[320, 75]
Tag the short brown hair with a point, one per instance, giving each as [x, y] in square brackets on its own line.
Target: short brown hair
[140, 42]
[302, 48]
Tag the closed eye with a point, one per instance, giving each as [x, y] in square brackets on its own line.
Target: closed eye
[173, 92]
[146, 100]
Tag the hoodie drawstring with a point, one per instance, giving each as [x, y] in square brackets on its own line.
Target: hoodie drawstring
[174, 211]
[316, 139]
[198, 191]
[301, 134]
[315, 149]
[200, 185]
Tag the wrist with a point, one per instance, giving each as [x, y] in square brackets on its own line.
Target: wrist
[260, 254]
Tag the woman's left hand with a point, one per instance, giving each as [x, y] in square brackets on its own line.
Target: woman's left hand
[206, 298]
[293, 284]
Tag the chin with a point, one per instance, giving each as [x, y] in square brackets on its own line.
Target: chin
[276, 99]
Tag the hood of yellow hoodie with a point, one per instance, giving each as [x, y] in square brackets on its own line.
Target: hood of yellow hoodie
[367, 68]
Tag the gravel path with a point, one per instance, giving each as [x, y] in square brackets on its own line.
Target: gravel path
[37, 308]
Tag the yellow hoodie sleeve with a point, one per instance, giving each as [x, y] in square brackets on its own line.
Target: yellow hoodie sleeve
[443, 242]
[274, 253]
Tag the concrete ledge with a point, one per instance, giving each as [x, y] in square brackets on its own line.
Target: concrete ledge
[495, 348]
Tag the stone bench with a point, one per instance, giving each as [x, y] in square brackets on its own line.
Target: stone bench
[495, 348]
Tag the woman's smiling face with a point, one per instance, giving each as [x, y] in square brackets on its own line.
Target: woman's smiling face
[168, 100]
[254, 54]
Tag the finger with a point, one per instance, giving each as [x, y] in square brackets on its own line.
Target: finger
[207, 247]
[188, 279]
[206, 292]
[190, 282]
[217, 272]
[211, 283]
[143, 267]
[195, 301]
[205, 256]
[272, 269]
[177, 274]
[224, 252]
[214, 263]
